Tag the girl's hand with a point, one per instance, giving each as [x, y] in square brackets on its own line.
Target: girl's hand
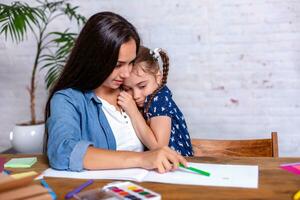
[127, 103]
[163, 160]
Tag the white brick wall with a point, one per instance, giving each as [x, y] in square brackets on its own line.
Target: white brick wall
[235, 65]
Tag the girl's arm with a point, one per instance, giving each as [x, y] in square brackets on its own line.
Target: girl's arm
[155, 136]
[161, 128]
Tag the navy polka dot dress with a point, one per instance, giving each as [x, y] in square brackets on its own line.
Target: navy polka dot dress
[163, 105]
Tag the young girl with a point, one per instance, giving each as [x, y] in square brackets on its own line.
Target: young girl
[146, 86]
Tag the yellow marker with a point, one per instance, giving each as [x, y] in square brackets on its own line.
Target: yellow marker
[297, 195]
[24, 174]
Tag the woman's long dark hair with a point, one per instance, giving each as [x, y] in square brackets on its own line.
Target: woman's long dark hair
[94, 55]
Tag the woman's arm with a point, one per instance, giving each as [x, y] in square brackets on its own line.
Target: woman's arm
[162, 159]
[65, 147]
[155, 136]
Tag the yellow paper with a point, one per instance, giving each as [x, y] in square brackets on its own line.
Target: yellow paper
[23, 175]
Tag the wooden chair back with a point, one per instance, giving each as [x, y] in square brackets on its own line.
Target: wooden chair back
[245, 148]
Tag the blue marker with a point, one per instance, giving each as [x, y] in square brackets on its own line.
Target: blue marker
[51, 192]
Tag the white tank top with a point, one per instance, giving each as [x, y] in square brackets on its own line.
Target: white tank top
[120, 123]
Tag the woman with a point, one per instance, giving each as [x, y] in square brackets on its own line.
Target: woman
[85, 125]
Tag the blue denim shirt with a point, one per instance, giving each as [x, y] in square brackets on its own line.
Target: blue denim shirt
[76, 122]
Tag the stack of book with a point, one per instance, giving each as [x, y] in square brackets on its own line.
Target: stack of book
[22, 186]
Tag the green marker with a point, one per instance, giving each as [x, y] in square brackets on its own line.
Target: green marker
[195, 170]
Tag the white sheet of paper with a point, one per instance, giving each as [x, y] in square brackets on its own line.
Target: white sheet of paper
[245, 176]
[135, 174]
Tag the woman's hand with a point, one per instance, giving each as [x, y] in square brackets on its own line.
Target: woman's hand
[127, 103]
[163, 159]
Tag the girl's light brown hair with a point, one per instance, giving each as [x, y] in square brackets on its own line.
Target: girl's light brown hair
[149, 64]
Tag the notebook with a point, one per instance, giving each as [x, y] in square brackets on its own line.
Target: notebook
[291, 167]
[244, 176]
[2, 161]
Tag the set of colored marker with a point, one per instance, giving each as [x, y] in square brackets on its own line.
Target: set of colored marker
[130, 191]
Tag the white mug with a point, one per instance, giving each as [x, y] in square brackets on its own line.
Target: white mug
[28, 139]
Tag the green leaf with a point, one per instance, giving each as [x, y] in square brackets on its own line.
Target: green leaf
[71, 12]
[15, 20]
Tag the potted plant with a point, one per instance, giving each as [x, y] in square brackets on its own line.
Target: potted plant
[52, 49]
